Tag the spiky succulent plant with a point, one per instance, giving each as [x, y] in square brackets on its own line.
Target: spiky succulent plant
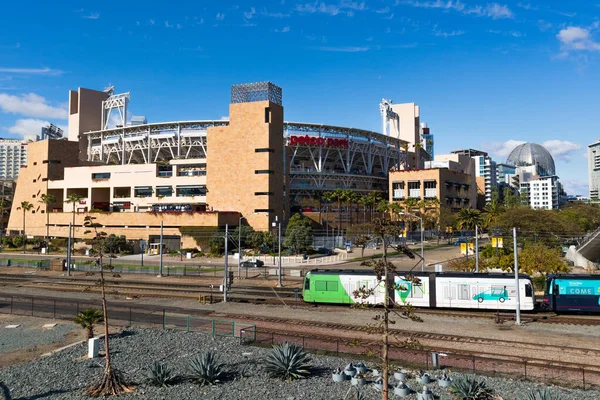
[288, 361]
[541, 394]
[206, 369]
[161, 375]
[469, 388]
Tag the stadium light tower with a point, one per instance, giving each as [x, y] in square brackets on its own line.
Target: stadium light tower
[389, 117]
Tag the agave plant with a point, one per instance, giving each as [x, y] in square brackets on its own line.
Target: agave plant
[541, 394]
[206, 369]
[469, 388]
[161, 375]
[288, 361]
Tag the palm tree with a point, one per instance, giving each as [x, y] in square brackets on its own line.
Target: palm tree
[492, 212]
[25, 206]
[363, 201]
[3, 204]
[73, 199]
[468, 218]
[87, 319]
[349, 197]
[47, 199]
[337, 195]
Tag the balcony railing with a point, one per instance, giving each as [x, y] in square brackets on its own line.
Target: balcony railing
[398, 194]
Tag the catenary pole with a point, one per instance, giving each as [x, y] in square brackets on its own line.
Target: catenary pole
[161, 250]
[69, 252]
[476, 249]
[279, 262]
[240, 249]
[422, 246]
[226, 270]
[518, 322]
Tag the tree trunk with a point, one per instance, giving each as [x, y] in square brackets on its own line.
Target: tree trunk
[89, 332]
[108, 367]
[386, 332]
[24, 236]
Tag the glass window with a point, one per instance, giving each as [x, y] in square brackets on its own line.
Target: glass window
[198, 190]
[307, 284]
[164, 191]
[101, 175]
[332, 286]
[416, 292]
[528, 290]
[143, 191]
[321, 286]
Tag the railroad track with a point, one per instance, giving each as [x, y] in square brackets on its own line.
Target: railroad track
[253, 294]
[421, 336]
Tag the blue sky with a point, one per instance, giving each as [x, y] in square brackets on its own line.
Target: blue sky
[487, 75]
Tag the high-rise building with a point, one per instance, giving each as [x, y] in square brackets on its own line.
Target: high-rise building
[484, 167]
[594, 170]
[13, 155]
[427, 140]
[543, 192]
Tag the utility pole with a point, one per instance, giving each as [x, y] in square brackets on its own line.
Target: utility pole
[422, 246]
[161, 250]
[240, 249]
[69, 252]
[278, 223]
[476, 249]
[518, 322]
[226, 270]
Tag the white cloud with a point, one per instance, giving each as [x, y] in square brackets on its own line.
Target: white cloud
[575, 38]
[576, 186]
[501, 149]
[561, 149]
[344, 7]
[151, 21]
[383, 10]
[250, 14]
[31, 71]
[30, 127]
[283, 30]
[344, 49]
[527, 6]
[220, 17]
[507, 33]
[31, 105]
[438, 32]
[492, 10]
[91, 16]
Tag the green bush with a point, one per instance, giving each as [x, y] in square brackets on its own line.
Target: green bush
[161, 375]
[58, 242]
[206, 369]
[288, 361]
[469, 388]
[541, 394]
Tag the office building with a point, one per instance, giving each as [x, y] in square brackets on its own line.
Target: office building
[13, 155]
[485, 168]
[594, 171]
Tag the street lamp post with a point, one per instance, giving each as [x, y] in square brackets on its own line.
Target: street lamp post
[278, 224]
[422, 246]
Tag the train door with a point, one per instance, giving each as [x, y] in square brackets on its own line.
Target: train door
[474, 303]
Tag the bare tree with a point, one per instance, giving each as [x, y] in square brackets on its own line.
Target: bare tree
[386, 229]
[112, 382]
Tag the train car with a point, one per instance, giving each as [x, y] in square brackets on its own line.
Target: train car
[430, 290]
[485, 291]
[572, 293]
[337, 286]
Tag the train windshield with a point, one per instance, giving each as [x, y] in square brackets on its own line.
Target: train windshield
[307, 283]
[547, 289]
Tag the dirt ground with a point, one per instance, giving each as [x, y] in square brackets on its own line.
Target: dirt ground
[34, 349]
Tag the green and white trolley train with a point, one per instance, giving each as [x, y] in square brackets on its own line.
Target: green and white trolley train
[491, 291]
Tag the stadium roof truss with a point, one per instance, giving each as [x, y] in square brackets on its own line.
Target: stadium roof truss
[366, 152]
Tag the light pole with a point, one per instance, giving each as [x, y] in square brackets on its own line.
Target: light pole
[240, 248]
[278, 224]
[422, 247]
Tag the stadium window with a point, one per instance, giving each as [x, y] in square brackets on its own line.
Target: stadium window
[101, 175]
[263, 210]
[263, 193]
[51, 162]
[35, 163]
[267, 115]
[264, 150]
[263, 171]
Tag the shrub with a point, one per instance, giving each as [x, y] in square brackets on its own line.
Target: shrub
[288, 361]
[161, 375]
[541, 394]
[469, 388]
[206, 369]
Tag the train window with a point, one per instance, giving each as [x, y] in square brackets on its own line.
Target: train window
[307, 284]
[528, 290]
[417, 292]
[320, 286]
[332, 286]
[463, 292]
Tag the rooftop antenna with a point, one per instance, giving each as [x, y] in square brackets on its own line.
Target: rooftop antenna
[110, 89]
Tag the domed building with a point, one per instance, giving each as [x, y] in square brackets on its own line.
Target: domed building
[532, 155]
[535, 175]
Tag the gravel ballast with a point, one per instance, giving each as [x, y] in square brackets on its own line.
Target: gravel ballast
[65, 374]
[30, 334]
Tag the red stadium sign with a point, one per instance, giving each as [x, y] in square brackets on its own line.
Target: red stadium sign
[317, 141]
